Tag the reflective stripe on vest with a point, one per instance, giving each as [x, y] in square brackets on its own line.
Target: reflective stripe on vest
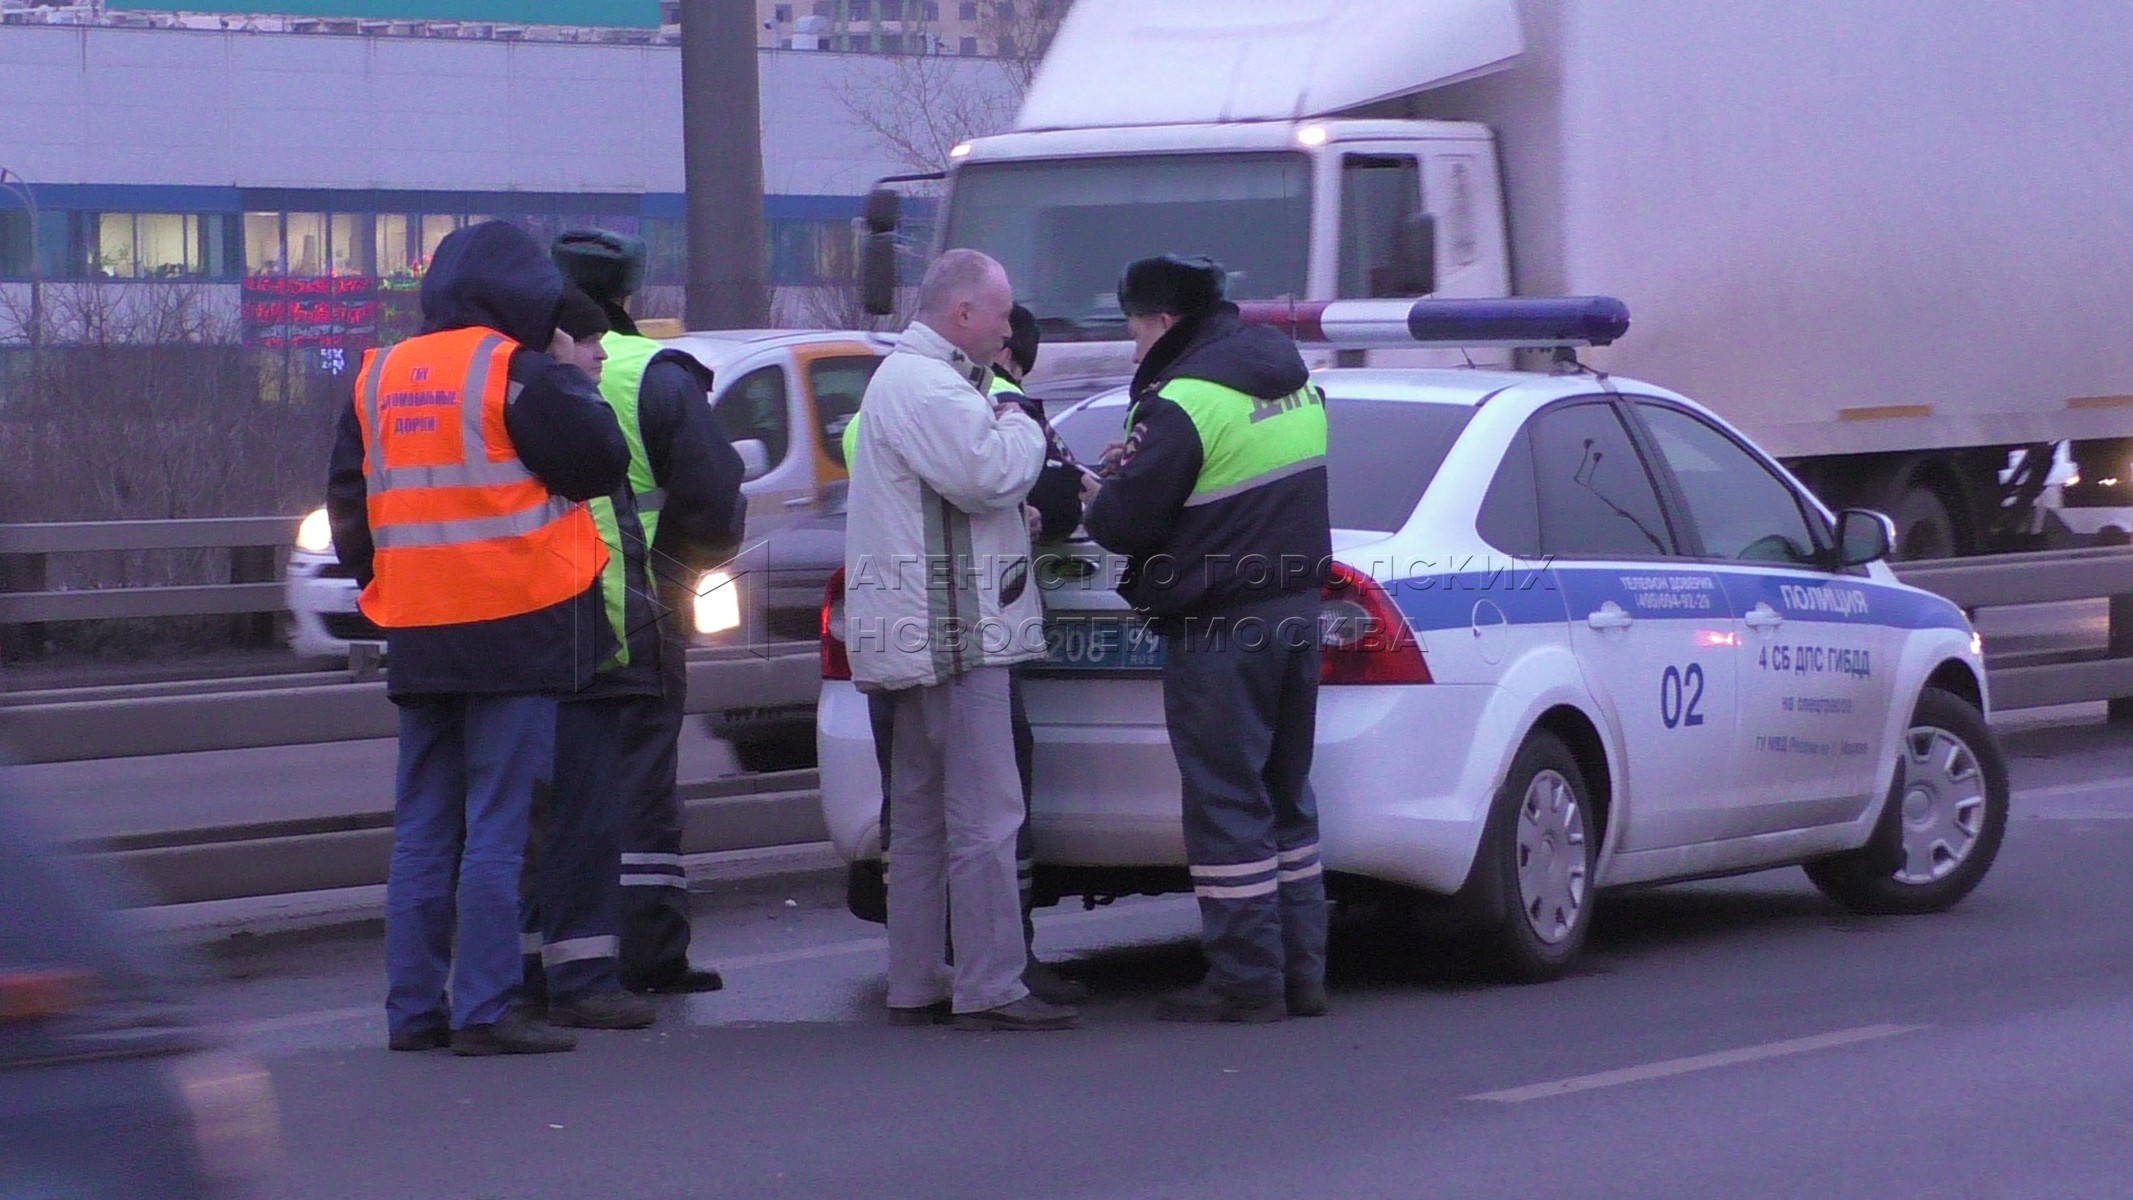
[621, 385]
[464, 532]
[1247, 442]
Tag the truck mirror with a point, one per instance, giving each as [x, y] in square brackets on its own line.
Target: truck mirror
[881, 212]
[1414, 257]
[1863, 536]
[877, 272]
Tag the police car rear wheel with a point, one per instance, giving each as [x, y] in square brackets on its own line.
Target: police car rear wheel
[1944, 824]
[1544, 844]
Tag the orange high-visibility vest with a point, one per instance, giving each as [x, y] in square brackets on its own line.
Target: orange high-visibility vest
[463, 531]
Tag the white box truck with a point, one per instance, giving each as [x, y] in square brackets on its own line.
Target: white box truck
[1892, 240]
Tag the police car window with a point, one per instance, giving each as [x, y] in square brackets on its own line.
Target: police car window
[1510, 510]
[1596, 498]
[1380, 454]
[754, 407]
[837, 384]
[1741, 509]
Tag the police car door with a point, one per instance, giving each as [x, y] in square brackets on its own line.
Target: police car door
[1649, 627]
[1813, 651]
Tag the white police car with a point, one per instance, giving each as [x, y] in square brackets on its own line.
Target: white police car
[1580, 634]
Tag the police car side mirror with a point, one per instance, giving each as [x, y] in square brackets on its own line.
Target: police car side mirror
[1863, 536]
[755, 458]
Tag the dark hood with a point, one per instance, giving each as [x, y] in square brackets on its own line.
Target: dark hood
[1216, 345]
[496, 276]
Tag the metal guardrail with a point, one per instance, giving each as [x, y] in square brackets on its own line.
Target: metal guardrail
[254, 543]
[2045, 577]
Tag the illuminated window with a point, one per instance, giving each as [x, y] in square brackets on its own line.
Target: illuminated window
[307, 243]
[114, 245]
[434, 227]
[392, 245]
[262, 244]
[352, 244]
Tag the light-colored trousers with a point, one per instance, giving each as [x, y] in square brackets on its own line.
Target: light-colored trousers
[955, 804]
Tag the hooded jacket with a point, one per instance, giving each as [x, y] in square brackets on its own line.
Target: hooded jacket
[936, 552]
[495, 276]
[1257, 543]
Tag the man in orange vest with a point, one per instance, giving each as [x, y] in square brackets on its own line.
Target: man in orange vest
[456, 492]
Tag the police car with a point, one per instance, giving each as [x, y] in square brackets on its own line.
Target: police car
[1580, 633]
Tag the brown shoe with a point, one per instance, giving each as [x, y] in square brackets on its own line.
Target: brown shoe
[1024, 1014]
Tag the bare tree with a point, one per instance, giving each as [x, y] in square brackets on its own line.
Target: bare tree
[1019, 32]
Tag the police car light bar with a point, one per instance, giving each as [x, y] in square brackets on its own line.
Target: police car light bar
[1519, 322]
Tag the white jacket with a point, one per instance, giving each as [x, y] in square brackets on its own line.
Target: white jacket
[937, 577]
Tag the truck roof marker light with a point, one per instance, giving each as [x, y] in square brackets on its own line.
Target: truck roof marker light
[1312, 135]
[1518, 322]
[960, 150]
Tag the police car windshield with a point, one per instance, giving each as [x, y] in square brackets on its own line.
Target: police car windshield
[1380, 454]
[1065, 229]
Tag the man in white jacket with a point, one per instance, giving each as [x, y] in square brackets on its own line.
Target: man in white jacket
[939, 602]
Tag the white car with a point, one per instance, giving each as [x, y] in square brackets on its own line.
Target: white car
[1580, 633]
[783, 397]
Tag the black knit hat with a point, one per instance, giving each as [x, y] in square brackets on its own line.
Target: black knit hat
[579, 316]
[1170, 284]
[1022, 339]
[608, 266]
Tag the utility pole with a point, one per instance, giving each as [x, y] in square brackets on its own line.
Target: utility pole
[722, 166]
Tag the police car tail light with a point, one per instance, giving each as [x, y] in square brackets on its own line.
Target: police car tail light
[834, 663]
[1362, 637]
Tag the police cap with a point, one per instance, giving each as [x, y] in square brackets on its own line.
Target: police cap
[608, 266]
[1168, 283]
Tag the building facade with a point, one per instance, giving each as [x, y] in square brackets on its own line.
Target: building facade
[305, 181]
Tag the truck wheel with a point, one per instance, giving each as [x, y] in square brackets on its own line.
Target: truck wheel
[1542, 845]
[1925, 528]
[777, 752]
[1941, 827]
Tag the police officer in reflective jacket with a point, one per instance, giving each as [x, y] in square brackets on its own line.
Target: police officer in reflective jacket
[686, 483]
[1219, 503]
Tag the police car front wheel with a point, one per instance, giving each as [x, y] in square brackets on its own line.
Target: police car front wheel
[1942, 823]
[1542, 844]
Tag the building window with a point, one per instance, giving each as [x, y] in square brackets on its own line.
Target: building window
[666, 245]
[968, 47]
[434, 227]
[305, 236]
[892, 10]
[966, 12]
[782, 14]
[390, 237]
[262, 244]
[352, 244]
[861, 10]
[14, 242]
[114, 245]
[930, 11]
[893, 43]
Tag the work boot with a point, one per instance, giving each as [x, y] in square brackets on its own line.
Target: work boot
[1203, 1004]
[1051, 987]
[1307, 998]
[512, 1033]
[1028, 1013]
[602, 1010]
[684, 980]
[422, 1037]
[936, 1013]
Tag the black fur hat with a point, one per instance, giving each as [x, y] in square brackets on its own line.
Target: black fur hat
[1022, 339]
[1168, 283]
[609, 267]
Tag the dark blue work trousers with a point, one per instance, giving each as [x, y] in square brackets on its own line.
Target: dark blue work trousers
[573, 919]
[468, 766]
[1240, 698]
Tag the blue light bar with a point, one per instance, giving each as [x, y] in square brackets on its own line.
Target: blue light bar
[1517, 322]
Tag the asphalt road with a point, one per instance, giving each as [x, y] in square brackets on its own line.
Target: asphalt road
[1739, 1038]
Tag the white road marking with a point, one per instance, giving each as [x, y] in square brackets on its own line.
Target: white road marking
[1699, 1062]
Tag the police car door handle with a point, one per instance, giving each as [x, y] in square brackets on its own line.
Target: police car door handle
[1762, 616]
[1610, 616]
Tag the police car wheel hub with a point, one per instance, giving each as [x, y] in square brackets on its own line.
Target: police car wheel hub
[1551, 856]
[1943, 804]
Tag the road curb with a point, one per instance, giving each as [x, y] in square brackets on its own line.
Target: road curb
[235, 928]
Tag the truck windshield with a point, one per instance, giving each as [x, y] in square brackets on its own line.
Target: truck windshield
[1065, 229]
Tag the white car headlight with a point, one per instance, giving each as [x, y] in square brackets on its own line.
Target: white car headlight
[718, 603]
[315, 535]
